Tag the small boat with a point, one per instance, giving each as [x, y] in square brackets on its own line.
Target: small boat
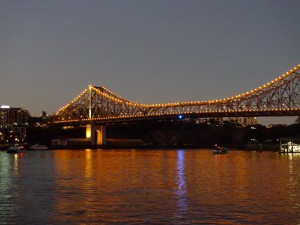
[15, 149]
[39, 147]
[219, 150]
[290, 147]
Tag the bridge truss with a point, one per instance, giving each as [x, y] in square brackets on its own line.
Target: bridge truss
[280, 97]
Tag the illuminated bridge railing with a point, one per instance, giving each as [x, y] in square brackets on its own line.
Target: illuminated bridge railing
[280, 97]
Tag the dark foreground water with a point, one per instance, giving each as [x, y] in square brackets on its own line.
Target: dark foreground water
[149, 187]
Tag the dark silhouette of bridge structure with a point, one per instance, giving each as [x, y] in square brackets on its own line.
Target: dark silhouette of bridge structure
[99, 106]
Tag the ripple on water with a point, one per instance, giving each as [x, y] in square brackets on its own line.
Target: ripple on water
[149, 187]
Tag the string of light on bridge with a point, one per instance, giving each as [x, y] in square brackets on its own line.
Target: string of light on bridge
[104, 92]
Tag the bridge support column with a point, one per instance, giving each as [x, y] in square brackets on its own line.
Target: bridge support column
[96, 134]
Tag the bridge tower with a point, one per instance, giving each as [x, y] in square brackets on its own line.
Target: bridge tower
[96, 133]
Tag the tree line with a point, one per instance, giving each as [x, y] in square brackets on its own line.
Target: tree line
[187, 132]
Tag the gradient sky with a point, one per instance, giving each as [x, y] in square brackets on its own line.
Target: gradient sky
[147, 51]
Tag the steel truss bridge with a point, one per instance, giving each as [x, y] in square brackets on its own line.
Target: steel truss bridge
[279, 97]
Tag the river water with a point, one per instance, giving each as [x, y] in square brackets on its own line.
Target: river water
[149, 187]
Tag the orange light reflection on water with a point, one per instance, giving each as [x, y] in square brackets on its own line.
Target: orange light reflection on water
[126, 186]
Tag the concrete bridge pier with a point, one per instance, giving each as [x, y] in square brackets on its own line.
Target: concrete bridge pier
[96, 134]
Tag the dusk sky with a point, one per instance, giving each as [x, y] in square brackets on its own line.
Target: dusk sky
[154, 51]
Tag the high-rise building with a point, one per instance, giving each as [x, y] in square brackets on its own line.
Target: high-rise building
[244, 120]
[13, 123]
[250, 121]
[13, 116]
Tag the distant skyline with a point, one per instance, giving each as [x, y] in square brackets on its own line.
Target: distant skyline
[147, 51]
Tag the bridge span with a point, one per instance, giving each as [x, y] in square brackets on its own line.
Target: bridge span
[98, 105]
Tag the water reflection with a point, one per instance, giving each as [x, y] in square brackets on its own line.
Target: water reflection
[88, 163]
[294, 180]
[16, 163]
[6, 183]
[181, 185]
[149, 187]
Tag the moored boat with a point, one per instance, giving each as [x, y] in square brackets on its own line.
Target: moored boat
[15, 149]
[290, 147]
[219, 150]
[39, 147]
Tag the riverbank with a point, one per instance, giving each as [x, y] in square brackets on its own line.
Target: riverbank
[263, 147]
[256, 147]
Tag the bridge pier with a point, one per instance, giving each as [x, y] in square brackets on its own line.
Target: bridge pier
[96, 134]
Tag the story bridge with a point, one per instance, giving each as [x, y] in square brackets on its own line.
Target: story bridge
[97, 106]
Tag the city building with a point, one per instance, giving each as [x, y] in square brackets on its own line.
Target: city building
[13, 116]
[13, 124]
[250, 121]
[244, 121]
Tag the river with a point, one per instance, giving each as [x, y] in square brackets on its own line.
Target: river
[149, 187]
